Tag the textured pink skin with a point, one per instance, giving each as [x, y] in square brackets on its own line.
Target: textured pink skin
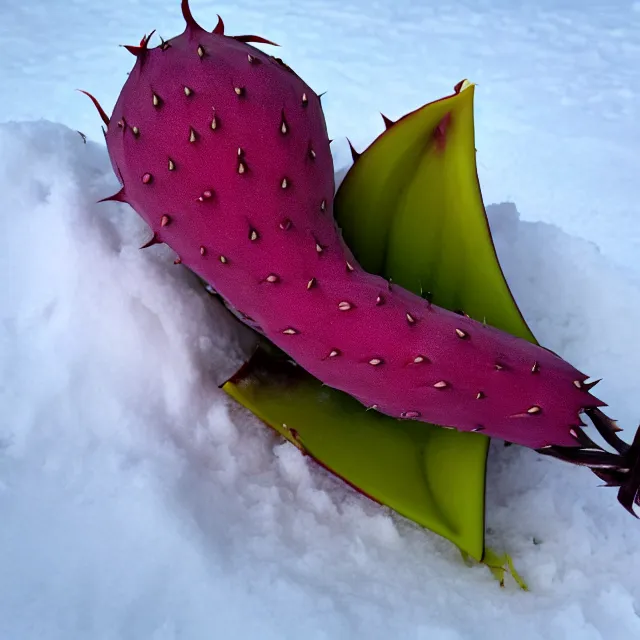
[376, 324]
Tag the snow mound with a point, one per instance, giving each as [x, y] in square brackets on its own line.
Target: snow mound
[138, 501]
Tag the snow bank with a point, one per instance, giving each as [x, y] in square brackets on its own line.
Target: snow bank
[137, 501]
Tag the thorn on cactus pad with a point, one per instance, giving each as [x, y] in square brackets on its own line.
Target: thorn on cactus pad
[192, 135]
[480, 395]
[305, 100]
[188, 91]
[171, 165]
[253, 235]
[379, 300]
[285, 224]
[214, 122]
[155, 99]
[418, 360]
[373, 407]
[178, 260]
[272, 278]
[165, 220]
[498, 367]
[478, 428]
[375, 362]
[188, 16]
[242, 167]
[147, 178]
[536, 367]
[164, 45]
[154, 240]
[285, 183]
[441, 385]
[104, 117]
[311, 283]
[410, 414]
[354, 154]
[587, 386]
[334, 353]
[534, 410]
[239, 91]
[410, 319]
[206, 195]
[116, 197]
[122, 123]
[344, 306]
[223, 259]
[290, 331]
[319, 248]
[201, 51]
[257, 39]
[312, 153]
[136, 131]
[219, 28]
[388, 123]
[349, 267]
[203, 251]
[284, 127]
[142, 48]
[323, 205]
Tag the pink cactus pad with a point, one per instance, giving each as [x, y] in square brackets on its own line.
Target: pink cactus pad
[223, 150]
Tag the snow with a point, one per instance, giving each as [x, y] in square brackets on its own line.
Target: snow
[138, 501]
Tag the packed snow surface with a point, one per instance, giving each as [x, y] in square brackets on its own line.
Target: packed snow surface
[138, 501]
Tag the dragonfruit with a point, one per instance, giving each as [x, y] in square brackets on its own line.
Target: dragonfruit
[223, 150]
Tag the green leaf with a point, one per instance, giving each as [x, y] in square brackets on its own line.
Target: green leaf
[410, 209]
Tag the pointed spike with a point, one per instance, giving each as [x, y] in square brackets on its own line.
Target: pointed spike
[354, 154]
[116, 197]
[188, 16]
[254, 39]
[164, 45]
[96, 104]
[441, 385]
[165, 220]
[201, 51]
[178, 260]
[305, 100]
[142, 48]
[154, 240]
[219, 29]
[388, 123]
[587, 386]
[536, 367]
